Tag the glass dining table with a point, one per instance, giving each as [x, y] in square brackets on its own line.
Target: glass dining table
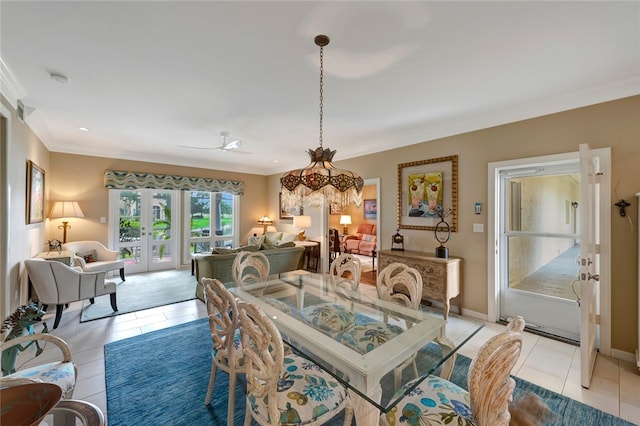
[316, 312]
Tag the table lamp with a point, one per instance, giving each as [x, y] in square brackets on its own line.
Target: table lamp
[302, 222]
[65, 209]
[345, 220]
[265, 221]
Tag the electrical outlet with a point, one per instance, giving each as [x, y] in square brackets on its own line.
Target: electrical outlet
[478, 227]
[103, 219]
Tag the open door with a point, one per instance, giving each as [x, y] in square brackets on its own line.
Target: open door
[589, 261]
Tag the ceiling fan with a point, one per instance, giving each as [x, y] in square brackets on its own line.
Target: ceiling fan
[230, 145]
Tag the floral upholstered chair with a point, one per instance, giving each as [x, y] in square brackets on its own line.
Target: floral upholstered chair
[399, 284]
[250, 267]
[285, 389]
[62, 372]
[225, 335]
[347, 263]
[437, 401]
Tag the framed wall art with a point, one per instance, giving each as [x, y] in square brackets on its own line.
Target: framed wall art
[334, 208]
[427, 190]
[35, 193]
[370, 209]
[286, 211]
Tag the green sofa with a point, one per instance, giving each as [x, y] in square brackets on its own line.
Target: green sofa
[219, 265]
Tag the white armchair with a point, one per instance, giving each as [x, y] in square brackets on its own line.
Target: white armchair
[93, 256]
[58, 284]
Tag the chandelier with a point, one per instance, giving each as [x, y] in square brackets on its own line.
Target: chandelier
[321, 179]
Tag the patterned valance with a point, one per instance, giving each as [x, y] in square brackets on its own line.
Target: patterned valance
[117, 179]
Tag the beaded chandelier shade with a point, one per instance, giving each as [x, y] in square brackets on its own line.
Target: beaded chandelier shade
[321, 179]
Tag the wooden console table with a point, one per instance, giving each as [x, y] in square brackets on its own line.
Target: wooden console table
[440, 277]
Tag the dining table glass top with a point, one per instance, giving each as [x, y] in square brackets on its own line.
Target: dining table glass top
[372, 346]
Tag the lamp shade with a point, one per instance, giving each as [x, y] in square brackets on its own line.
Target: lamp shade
[65, 209]
[302, 221]
[265, 220]
[345, 219]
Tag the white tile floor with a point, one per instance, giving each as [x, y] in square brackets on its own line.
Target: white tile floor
[547, 363]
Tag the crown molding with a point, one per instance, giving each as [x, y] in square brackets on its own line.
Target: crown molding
[11, 89]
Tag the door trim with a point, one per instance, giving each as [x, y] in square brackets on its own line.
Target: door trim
[493, 209]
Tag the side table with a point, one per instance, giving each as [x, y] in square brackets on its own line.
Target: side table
[311, 254]
[64, 256]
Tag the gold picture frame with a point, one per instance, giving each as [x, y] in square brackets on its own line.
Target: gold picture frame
[426, 189]
[35, 193]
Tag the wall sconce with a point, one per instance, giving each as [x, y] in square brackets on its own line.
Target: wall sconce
[345, 220]
[302, 222]
[265, 221]
[65, 209]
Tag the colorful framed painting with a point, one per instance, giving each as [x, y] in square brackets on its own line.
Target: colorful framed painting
[334, 208]
[427, 190]
[288, 211]
[35, 193]
[370, 209]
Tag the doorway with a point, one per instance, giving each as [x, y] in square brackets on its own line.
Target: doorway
[534, 241]
[144, 230]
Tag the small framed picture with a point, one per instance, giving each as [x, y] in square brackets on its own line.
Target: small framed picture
[35, 193]
[334, 208]
[288, 212]
[370, 209]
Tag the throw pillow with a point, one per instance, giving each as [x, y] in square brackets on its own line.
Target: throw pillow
[285, 244]
[288, 237]
[256, 241]
[367, 237]
[89, 256]
[272, 237]
[223, 250]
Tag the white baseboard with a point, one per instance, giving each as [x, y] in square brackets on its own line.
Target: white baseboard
[624, 356]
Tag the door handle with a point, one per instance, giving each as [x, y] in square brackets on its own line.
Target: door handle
[588, 276]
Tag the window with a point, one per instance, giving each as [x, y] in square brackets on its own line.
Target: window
[211, 220]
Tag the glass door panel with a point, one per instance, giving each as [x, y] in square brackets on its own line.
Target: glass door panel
[146, 220]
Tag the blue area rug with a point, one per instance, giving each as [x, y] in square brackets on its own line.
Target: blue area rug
[160, 378]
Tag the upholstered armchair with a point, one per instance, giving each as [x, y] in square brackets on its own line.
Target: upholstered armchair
[59, 284]
[93, 256]
[363, 241]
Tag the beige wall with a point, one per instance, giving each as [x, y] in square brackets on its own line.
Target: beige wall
[613, 124]
[81, 178]
[22, 240]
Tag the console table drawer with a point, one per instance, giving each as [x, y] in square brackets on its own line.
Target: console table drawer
[440, 277]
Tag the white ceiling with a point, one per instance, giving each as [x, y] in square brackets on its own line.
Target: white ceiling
[145, 77]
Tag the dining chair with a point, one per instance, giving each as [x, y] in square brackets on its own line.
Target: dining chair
[62, 372]
[397, 283]
[437, 401]
[250, 267]
[226, 352]
[284, 389]
[344, 264]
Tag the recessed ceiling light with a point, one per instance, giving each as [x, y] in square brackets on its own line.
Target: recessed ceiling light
[60, 78]
[275, 161]
[84, 129]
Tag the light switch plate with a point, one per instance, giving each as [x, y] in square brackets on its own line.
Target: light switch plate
[478, 227]
[103, 219]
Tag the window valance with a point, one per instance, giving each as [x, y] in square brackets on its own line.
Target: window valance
[119, 179]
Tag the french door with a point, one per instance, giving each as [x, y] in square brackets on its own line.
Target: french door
[145, 230]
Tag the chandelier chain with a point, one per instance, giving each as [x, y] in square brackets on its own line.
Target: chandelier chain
[321, 88]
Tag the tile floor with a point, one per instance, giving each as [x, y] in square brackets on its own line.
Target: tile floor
[548, 363]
